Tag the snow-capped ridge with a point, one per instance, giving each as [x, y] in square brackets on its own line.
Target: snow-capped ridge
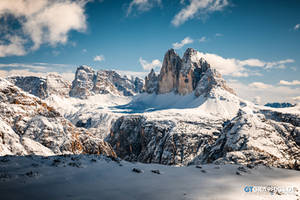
[44, 86]
[89, 82]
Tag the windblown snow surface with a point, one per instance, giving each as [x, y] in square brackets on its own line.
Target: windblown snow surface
[88, 177]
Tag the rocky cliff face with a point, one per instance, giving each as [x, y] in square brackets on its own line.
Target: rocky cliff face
[151, 82]
[42, 87]
[247, 139]
[168, 142]
[89, 82]
[29, 126]
[183, 76]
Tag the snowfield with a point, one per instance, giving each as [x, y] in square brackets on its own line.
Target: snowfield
[96, 177]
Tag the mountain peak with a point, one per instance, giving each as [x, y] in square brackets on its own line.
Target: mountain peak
[89, 82]
[185, 75]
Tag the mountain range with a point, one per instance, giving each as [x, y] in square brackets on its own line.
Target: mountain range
[186, 114]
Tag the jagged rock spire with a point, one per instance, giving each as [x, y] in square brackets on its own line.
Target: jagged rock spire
[185, 75]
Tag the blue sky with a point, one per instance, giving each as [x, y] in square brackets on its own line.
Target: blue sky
[255, 44]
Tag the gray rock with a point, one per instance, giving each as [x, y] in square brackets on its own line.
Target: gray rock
[185, 75]
[88, 82]
[42, 87]
[137, 170]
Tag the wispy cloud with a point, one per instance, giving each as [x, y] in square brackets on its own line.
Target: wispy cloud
[279, 64]
[185, 41]
[41, 22]
[142, 5]
[202, 39]
[132, 73]
[240, 68]
[297, 99]
[200, 8]
[260, 85]
[35, 67]
[297, 27]
[265, 92]
[150, 65]
[218, 34]
[294, 82]
[99, 58]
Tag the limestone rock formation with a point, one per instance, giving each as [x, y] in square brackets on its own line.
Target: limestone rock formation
[88, 82]
[151, 82]
[42, 87]
[183, 76]
[247, 139]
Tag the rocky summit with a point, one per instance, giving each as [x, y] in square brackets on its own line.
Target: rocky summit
[184, 75]
[88, 82]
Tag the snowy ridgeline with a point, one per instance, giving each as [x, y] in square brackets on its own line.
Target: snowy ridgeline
[96, 177]
[193, 119]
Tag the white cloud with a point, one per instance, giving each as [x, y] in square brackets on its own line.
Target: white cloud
[270, 93]
[41, 67]
[148, 66]
[132, 73]
[296, 27]
[17, 72]
[294, 68]
[182, 1]
[198, 8]
[41, 21]
[55, 52]
[252, 62]
[84, 50]
[294, 82]
[236, 67]
[20, 72]
[185, 41]
[219, 35]
[15, 46]
[297, 99]
[278, 64]
[99, 58]
[142, 5]
[202, 39]
[259, 85]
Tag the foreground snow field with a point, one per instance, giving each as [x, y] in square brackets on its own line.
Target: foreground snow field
[98, 177]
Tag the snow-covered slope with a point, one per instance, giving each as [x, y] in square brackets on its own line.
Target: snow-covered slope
[94, 177]
[28, 125]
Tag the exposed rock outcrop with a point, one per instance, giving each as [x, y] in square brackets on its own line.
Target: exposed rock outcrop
[151, 82]
[29, 126]
[183, 76]
[168, 142]
[89, 82]
[253, 139]
[42, 87]
[246, 139]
